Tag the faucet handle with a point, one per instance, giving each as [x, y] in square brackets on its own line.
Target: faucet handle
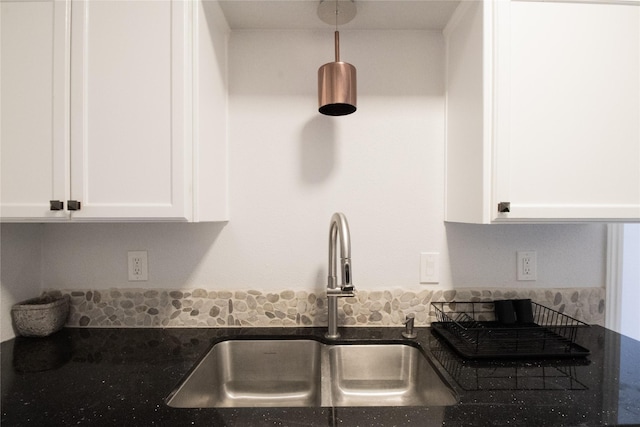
[341, 292]
[409, 332]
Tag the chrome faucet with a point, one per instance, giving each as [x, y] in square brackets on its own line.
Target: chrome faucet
[338, 229]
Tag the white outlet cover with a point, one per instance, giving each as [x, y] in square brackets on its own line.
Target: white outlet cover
[137, 266]
[527, 266]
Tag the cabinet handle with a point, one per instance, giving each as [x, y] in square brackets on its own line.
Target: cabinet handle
[56, 205]
[504, 207]
[73, 205]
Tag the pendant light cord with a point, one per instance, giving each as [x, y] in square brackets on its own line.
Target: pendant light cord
[337, 36]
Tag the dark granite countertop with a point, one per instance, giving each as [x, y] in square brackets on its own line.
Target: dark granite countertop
[122, 376]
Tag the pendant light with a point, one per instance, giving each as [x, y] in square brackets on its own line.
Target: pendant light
[337, 89]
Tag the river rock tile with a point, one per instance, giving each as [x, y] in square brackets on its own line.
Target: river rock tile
[204, 308]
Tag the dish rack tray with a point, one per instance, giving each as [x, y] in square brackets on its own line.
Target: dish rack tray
[512, 374]
[472, 330]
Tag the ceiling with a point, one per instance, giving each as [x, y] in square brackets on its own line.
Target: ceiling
[371, 14]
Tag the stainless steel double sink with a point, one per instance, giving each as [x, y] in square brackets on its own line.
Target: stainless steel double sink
[308, 373]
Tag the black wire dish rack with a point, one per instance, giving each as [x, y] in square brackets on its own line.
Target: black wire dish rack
[473, 331]
[513, 374]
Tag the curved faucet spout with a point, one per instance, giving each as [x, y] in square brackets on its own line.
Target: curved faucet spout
[338, 231]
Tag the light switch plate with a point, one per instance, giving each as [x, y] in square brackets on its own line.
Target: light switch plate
[430, 267]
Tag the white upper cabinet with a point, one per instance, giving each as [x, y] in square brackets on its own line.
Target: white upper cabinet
[127, 133]
[543, 112]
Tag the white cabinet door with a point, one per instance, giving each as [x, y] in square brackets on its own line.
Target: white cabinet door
[543, 112]
[130, 109]
[573, 138]
[34, 108]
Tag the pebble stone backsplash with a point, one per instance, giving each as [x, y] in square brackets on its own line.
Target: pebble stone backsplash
[208, 308]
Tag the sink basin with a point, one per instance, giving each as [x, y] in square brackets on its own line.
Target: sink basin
[385, 375]
[254, 373]
[308, 373]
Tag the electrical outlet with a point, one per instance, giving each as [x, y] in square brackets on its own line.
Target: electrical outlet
[429, 267]
[138, 266]
[527, 269]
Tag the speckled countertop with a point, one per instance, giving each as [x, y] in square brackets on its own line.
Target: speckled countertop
[122, 376]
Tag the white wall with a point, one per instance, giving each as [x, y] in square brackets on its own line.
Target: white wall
[20, 269]
[291, 168]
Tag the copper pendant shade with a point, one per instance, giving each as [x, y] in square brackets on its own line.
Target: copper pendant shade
[337, 88]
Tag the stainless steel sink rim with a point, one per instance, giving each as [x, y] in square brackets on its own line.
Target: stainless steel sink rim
[305, 372]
